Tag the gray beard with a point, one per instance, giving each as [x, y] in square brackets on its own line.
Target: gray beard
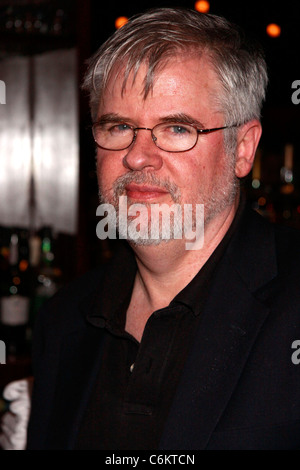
[223, 195]
[122, 226]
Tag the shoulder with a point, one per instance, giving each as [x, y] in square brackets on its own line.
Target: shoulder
[69, 306]
[286, 240]
[81, 286]
[63, 312]
[262, 252]
[256, 231]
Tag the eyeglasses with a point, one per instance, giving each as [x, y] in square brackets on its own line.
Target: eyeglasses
[169, 136]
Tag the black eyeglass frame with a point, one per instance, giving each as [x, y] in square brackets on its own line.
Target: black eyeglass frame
[154, 138]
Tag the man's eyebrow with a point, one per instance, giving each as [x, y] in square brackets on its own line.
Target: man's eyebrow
[112, 117]
[182, 118]
[176, 118]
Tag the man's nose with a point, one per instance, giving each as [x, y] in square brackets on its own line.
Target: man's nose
[143, 152]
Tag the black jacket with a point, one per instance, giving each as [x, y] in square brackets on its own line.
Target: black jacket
[240, 388]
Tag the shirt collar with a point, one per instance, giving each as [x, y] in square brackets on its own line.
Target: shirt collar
[195, 293]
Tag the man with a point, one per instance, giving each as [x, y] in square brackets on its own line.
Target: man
[169, 347]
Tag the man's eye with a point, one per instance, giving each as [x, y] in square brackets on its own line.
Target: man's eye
[119, 128]
[177, 129]
[180, 129]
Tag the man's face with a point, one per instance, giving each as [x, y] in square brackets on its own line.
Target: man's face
[183, 90]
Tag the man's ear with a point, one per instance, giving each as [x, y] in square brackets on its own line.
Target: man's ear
[247, 141]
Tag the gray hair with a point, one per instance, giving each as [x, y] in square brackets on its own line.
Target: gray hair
[164, 33]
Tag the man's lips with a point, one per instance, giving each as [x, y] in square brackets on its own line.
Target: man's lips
[138, 191]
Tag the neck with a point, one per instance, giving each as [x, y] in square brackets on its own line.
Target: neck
[165, 269]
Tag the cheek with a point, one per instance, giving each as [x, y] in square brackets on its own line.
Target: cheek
[109, 169]
[211, 158]
[190, 168]
[199, 167]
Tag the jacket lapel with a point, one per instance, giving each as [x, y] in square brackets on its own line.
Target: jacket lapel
[230, 323]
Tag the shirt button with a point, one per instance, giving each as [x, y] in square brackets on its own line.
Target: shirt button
[131, 367]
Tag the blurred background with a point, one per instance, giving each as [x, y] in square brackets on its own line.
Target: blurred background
[48, 187]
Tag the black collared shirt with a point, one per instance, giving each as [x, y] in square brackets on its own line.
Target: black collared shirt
[137, 381]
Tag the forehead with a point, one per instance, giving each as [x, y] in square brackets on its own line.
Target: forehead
[183, 81]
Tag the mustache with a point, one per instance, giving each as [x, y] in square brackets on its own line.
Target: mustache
[145, 178]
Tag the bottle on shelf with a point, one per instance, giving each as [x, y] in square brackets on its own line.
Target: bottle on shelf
[4, 252]
[15, 297]
[47, 275]
[34, 245]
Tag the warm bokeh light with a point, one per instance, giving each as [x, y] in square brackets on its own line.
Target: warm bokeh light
[273, 30]
[262, 201]
[23, 265]
[202, 6]
[16, 280]
[120, 21]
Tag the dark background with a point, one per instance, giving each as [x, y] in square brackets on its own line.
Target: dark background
[87, 23]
